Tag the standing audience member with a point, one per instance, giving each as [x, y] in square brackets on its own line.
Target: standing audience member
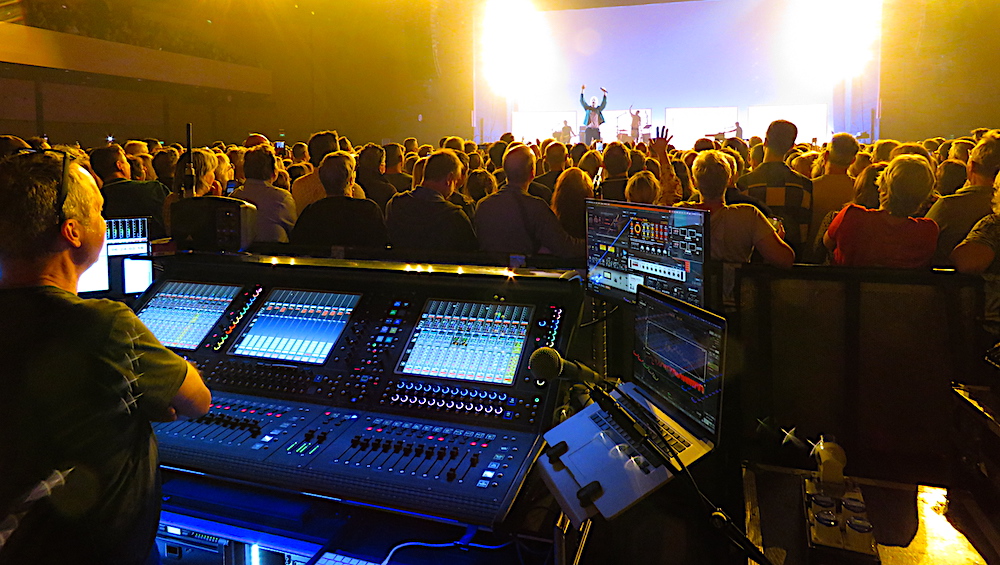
[836, 187]
[82, 381]
[371, 166]
[737, 229]
[124, 197]
[956, 214]
[340, 219]
[480, 184]
[394, 168]
[514, 222]
[423, 218]
[979, 254]
[642, 188]
[204, 181]
[163, 164]
[569, 202]
[556, 159]
[888, 236]
[308, 188]
[787, 193]
[951, 176]
[616, 163]
[276, 213]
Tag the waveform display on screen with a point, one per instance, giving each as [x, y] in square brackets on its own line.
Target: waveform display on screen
[181, 314]
[468, 341]
[296, 325]
[678, 356]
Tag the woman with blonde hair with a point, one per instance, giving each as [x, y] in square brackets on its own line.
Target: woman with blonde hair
[205, 163]
[642, 188]
[569, 201]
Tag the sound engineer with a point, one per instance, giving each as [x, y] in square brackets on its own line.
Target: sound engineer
[81, 380]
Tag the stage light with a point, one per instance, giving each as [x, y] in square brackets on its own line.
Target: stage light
[832, 40]
[514, 36]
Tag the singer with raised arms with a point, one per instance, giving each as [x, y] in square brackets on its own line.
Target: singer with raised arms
[594, 117]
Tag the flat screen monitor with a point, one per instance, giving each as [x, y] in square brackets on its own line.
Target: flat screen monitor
[180, 314]
[112, 273]
[661, 247]
[97, 278]
[137, 275]
[468, 341]
[679, 356]
[296, 325]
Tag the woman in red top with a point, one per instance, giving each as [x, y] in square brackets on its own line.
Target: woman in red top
[889, 236]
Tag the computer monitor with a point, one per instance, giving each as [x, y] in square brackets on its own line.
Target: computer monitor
[111, 274]
[661, 247]
[679, 356]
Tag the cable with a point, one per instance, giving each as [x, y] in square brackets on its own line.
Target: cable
[439, 546]
[601, 319]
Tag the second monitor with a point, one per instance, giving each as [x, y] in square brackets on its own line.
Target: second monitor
[660, 247]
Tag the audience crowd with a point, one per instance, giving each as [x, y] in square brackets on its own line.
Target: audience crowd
[909, 205]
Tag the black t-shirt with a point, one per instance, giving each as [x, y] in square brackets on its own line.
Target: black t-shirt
[401, 181]
[81, 381]
[549, 179]
[377, 189]
[340, 220]
[613, 189]
[423, 219]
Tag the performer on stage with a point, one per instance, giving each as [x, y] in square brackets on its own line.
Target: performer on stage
[566, 135]
[636, 122]
[594, 117]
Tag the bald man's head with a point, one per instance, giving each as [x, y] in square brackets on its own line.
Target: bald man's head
[519, 165]
[255, 139]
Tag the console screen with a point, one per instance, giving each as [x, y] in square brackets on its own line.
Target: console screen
[296, 325]
[468, 341]
[181, 314]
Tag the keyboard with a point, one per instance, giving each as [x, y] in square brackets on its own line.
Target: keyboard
[334, 559]
[676, 441]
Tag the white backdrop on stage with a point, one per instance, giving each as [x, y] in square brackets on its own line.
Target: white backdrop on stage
[529, 126]
[687, 125]
[811, 119]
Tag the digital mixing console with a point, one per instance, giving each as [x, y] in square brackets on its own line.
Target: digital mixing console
[368, 383]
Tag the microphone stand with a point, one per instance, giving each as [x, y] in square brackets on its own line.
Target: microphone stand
[640, 433]
[189, 174]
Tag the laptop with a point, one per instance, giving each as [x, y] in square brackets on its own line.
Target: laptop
[675, 387]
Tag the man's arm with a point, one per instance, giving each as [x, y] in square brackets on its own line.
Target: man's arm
[972, 257]
[193, 398]
[775, 251]
[670, 184]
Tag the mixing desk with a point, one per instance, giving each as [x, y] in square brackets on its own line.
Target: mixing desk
[374, 384]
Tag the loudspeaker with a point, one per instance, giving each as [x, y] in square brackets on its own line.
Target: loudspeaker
[213, 223]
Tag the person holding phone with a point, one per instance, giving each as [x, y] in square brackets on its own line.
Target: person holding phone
[594, 117]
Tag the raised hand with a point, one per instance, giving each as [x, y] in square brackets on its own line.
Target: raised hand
[584, 87]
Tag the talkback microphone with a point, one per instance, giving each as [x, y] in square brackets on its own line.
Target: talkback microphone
[546, 364]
